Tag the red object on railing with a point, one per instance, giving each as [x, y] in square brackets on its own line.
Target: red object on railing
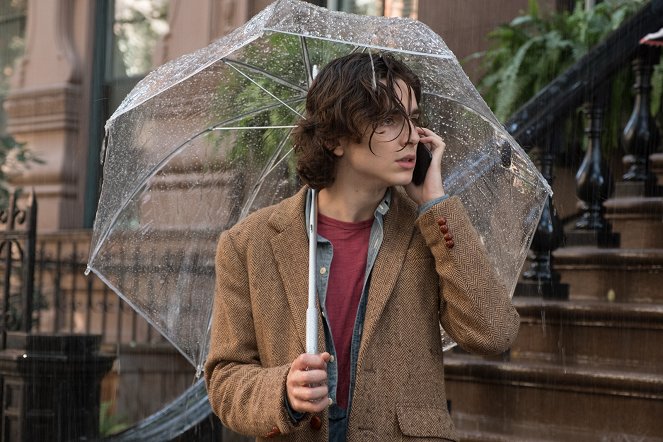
[653, 39]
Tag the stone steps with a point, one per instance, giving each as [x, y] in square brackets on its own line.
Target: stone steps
[586, 369]
[638, 220]
[657, 166]
[590, 333]
[535, 400]
[611, 274]
[589, 368]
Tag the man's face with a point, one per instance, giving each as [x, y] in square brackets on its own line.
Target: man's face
[394, 144]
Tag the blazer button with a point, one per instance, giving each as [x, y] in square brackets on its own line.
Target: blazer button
[275, 432]
[316, 423]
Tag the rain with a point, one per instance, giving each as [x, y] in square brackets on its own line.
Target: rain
[143, 130]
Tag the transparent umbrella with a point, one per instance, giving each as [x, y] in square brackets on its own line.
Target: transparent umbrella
[204, 140]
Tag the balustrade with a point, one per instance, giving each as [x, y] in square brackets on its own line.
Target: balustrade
[18, 243]
[531, 124]
[540, 278]
[641, 136]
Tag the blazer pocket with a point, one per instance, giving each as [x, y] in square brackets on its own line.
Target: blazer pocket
[425, 423]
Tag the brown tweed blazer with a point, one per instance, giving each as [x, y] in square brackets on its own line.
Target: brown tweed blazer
[417, 283]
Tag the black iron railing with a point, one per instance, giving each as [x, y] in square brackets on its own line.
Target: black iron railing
[585, 86]
[17, 249]
[51, 268]
[69, 301]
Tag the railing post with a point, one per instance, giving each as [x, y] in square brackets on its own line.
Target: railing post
[541, 279]
[641, 137]
[51, 387]
[7, 217]
[10, 244]
[30, 252]
[594, 181]
[49, 382]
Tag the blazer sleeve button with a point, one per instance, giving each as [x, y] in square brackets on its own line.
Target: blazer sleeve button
[275, 432]
[316, 423]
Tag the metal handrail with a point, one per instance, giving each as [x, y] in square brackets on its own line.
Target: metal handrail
[571, 88]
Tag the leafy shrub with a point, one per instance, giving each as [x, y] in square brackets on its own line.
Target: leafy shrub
[534, 48]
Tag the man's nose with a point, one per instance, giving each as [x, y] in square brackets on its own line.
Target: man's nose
[413, 134]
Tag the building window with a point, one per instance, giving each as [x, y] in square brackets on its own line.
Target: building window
[401, 8]
[12, 43]
[389, 8]
[138, 26]
[126, 36]
[364, 7]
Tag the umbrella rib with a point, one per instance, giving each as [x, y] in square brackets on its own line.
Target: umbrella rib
[307, 60]
[251, 127]
[271, 161]
[142, 181]
[264, 174]
[384, 48]
[265, 90]
[258, 70]
[275, 164]
[134, 306]
[499, 127]
[248, 114]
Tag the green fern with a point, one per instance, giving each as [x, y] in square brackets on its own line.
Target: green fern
[110, 423]
[533, 49]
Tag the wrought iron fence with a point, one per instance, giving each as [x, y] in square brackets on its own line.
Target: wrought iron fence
[17, 249]
[67, 301]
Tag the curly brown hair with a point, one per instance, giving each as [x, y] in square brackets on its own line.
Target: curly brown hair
[349, 95]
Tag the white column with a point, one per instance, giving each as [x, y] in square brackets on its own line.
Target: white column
[45, 105]
[192, 28]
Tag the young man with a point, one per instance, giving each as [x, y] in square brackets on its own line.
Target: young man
[395, 261]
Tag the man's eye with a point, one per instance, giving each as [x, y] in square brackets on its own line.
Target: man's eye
[388, 121]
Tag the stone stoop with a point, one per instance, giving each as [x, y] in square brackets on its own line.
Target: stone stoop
[535, 400]
[589, 368]
[591, 333]
[638, 220]
[611, 274]
[657, 166]
[579, 371]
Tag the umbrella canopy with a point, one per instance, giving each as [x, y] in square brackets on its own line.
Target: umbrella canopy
[204, 140]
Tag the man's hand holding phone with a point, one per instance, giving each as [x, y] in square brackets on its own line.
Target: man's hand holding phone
[426, 182]
[424, 158]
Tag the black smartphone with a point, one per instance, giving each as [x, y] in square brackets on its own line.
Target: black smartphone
[424, 158]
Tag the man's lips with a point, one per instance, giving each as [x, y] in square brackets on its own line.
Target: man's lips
[407, 161]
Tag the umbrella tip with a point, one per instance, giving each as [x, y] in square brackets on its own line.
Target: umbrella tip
[314, 71]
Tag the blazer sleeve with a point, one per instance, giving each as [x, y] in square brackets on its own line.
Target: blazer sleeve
[247, 397]
[475, 308]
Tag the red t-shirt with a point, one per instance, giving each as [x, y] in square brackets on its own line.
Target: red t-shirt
[346, 282]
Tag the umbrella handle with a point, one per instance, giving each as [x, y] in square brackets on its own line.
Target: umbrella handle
[312, 311]
[311, 331]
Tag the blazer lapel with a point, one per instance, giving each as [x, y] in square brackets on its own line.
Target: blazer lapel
[290, 248]
[398, 230]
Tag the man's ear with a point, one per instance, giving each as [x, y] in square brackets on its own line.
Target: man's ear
[339, 149]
